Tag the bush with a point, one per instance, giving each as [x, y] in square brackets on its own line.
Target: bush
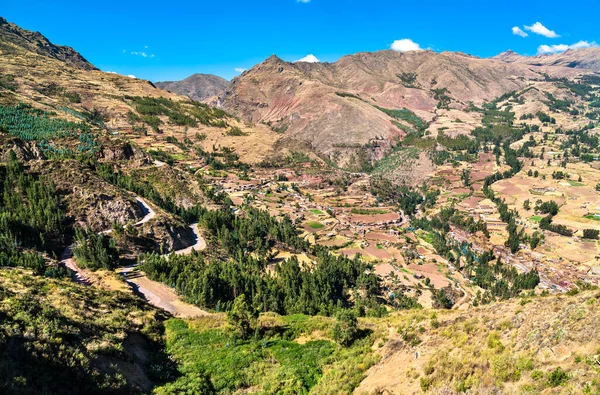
[235, 131]
[591, 234]
[558, 377]
[73, 97]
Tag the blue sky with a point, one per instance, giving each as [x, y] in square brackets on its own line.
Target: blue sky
[171, 40]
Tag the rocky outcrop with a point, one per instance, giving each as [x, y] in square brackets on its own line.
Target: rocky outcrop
[24, 150]
[168, 234]
[121, 151]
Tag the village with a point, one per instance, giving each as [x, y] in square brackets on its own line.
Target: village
[352, 222]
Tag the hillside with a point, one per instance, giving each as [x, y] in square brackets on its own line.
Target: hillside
[36, 42]
[197, 86]
[363, 103]
[390, 223]
[58, 337]
[530, 346]
[113, 343]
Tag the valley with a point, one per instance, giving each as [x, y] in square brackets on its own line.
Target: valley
[392, 222]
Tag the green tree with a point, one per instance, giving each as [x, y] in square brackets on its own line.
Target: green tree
[242, 317]
[466, 177]
[345, 331]
[535, 240]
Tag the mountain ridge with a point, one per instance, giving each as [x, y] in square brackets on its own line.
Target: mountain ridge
[38, 43]
[197, 87]
[577, 58]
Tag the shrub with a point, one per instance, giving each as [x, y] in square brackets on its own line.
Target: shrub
[73, 97]
[235, 131]
[558, 377]
[591, 234]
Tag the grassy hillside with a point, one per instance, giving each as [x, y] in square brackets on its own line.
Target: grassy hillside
[58, 337]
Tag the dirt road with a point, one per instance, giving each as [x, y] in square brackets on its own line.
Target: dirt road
[157, 294]
[198, 246]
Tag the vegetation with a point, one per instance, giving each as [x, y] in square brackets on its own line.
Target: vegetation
[179, 113]
[322, 289]
[315, 225]
[31, 216]
[95, 251]
[235, 131]
[591, 234]
[58, 337]
[405, 114]
[213, 361]
[28, 123]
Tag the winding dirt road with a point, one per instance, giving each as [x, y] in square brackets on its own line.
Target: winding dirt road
[155, 293]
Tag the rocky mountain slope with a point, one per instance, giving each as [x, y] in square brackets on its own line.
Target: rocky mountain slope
[37, 43]
[583, 58]
[130, 107]
[197, 86]
[360, 101]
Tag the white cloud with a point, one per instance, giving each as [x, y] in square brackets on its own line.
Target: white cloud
[131, 76]
[550, 49]
[405, 45]
[240, 69]
[542, 30]
[309, 59]
[112, 72]
[583, 44]
[516, 30]
[142, 54]
[304, 1]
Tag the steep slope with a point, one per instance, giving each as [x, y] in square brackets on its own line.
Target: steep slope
[36, 42]
[583, 58]
[197, 86]
[151, 118]
[536, 345]
[57, 337]
[336, 108]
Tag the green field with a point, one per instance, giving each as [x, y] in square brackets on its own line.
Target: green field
[593, 216]
[575, 183]
[213, 361]
[316, 212]
[315, 225]
[536, 218]
[369, 211]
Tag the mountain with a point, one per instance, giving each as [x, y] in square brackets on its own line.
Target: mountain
[117, 120]
[36, 42]
[197, 86]
[583, 58]
[335, 108]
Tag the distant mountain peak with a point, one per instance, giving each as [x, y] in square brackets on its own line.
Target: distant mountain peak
[578, 58]
[197, 86]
